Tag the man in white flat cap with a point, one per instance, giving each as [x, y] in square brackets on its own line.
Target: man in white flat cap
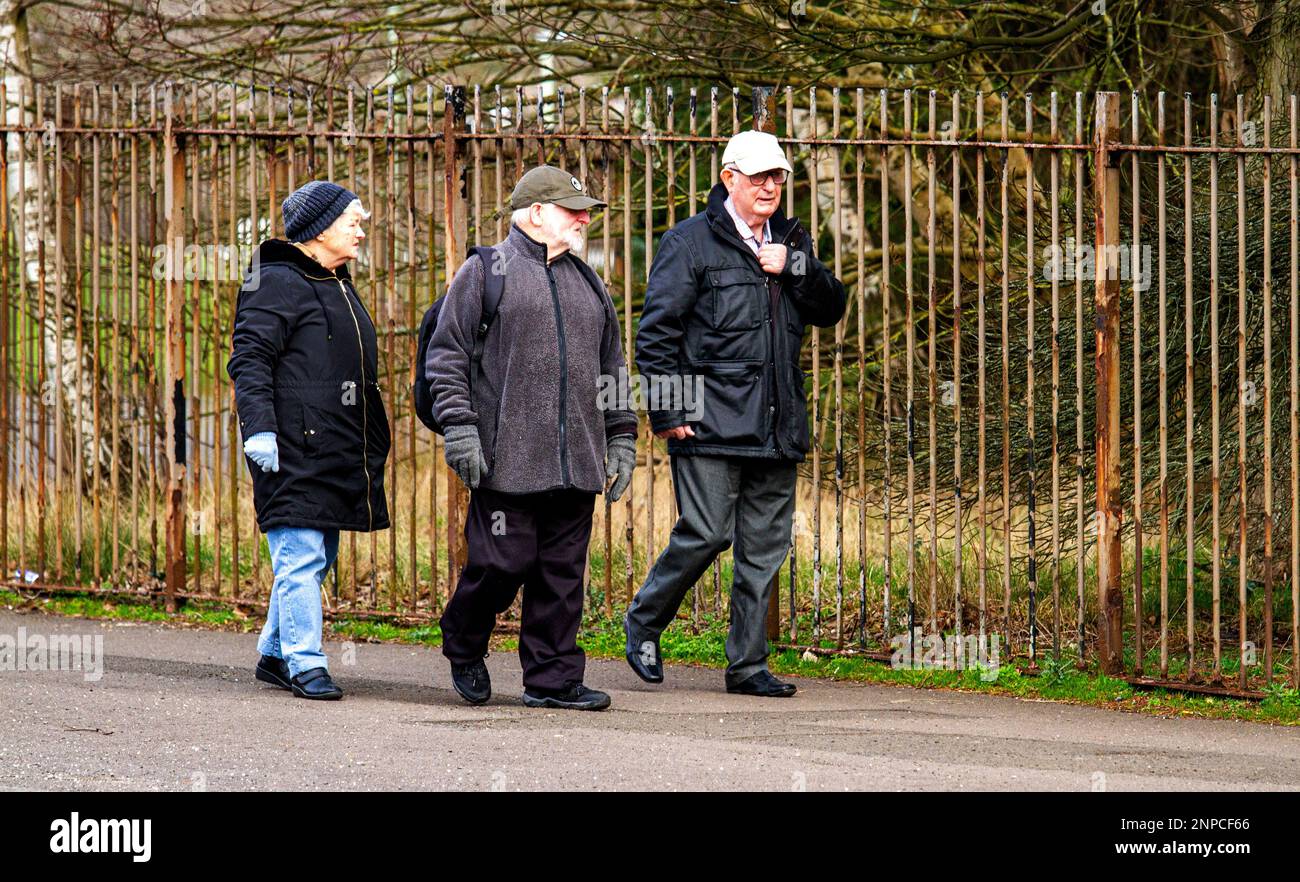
[730, 293]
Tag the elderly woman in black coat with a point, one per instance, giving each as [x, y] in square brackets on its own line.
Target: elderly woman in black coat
[304, 365]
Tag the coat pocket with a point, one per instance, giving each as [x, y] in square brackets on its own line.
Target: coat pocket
[326, 435]
[797, 417]
[330, 430]
[490, 451]
[310, 427]
[737, 299]
[736, 409]
[379, 433]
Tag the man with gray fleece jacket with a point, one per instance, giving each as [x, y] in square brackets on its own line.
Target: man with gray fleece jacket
[525, 431]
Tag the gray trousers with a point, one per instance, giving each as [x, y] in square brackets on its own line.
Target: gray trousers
[722, 500]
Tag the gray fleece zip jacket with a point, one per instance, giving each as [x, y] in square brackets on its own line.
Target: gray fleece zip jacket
[536, 401]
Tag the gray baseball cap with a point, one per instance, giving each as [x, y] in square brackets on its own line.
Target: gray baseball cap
[546, 183]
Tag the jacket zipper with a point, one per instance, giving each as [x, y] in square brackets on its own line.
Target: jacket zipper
[776, 380]
[365, 431]
[564, 377]
[776, 397]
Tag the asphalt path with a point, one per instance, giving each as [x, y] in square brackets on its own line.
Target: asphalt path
[178, 709]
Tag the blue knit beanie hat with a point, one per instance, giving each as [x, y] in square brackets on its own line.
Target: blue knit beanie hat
[309, 210]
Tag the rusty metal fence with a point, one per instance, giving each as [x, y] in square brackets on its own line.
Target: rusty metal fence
[1069, 315]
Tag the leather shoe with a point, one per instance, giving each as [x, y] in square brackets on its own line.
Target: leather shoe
[472, 682]
[272, 670]
[643, 656]
[764, 685]
[574, 696]
[315, 683]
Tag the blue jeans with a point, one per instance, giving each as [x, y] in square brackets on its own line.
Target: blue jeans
[301, 558]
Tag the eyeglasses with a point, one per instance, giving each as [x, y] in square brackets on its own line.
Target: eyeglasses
[778, 176]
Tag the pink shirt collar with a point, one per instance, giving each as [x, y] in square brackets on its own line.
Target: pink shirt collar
[746, 234]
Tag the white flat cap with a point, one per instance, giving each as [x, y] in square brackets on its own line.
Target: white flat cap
[754, 152]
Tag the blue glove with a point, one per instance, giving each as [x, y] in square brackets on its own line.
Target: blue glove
[262, 449]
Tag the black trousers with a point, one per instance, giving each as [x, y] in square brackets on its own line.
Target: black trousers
[538, 540]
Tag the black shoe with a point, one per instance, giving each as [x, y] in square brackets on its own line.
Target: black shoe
[472, 682]
[763, 684]
[574, 696]
[273, 670]
[643, 656]
[315, 683]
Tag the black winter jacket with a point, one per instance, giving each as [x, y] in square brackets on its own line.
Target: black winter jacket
[708, 313]
[304, 363]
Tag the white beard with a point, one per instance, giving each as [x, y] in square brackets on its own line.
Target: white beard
[574, 240]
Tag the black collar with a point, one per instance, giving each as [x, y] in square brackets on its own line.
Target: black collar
[722, 225]
[282, 251]
[530, 247]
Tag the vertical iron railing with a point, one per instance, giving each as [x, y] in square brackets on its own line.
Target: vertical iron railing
[939, 485]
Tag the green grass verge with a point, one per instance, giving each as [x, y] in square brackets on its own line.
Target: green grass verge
[603, 638]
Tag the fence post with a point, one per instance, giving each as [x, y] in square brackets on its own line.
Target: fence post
[765, 121]
[1110, 598]
[174, 413]
[454, 221]
[4, 335]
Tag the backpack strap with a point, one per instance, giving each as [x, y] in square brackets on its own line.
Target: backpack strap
[597, 287]
[494, 284]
